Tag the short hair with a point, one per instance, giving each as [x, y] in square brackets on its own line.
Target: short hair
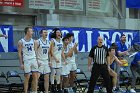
[122, 35]
[41, 31]
[26, 29]
[64, 38]
[53, 34]
[111, 48]
[69, 35]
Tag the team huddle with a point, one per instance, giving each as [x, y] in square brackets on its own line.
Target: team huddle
[54, 59]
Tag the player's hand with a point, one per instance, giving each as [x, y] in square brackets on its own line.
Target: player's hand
[121, 64]
[76, 44]
[50, 64]
[5, 36]
[39, 64]
[126, 53]
[22, 67]
[65, 63]
[109, 68]
[57, 61]
[89, 68]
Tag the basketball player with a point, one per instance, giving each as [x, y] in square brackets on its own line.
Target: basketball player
[72, 64]
[27, 58]
[65, 68]
[56, 51]
[42, 47]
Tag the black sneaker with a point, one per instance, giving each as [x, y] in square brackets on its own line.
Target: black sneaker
[60, 91]
[74, 89]
[53, 89]
[66, 91]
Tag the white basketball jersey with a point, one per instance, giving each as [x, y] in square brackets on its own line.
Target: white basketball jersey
[58, 48]
[65, 52]
[43, 49]
[28, 49]
[71, 59]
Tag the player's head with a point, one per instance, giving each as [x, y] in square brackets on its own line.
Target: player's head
[100, 40]
[123, 38]
[44, 33]
[65, 40]
[70, 36]
[111, 50]
[28, 31]
[114, 45]
[56, 33]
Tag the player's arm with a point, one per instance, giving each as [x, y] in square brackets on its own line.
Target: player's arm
[75, 48]
[52, 51]
[70, 53]
[108, 61]
[63, 56]
[123, 53]
[117, 60]
[108, 58]
[50, 57]
[36, 42]
[20, 46]
[2, 35]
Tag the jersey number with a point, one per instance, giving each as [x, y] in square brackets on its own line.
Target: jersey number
[59, 48]
[44, 51]
[29, 48]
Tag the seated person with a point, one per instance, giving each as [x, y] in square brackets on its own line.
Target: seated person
[135, 68]
[113, 58]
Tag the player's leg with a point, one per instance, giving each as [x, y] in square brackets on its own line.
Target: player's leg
[46, 83]
[106, 77]
[65, 78]
[58, 78]
[27, 70]
[52, 75]
[26, 81]
[46, 77]
[73, 68]
[114, 75]
[34, 69]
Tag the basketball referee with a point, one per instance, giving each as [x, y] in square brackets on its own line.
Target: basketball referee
[98, 54]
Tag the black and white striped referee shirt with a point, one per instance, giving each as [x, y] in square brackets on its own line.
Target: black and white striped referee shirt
[99, 54]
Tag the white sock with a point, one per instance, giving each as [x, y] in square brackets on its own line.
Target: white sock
[58, 79]
[114, 88]
[52, 79]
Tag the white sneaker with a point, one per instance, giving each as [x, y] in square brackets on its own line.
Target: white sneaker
[104, 89]
[132, 91]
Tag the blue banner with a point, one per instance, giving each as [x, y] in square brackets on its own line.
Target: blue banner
[6, 44]
[133, 3]
[87, 37]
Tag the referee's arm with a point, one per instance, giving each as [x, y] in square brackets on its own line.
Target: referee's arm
[90, 58]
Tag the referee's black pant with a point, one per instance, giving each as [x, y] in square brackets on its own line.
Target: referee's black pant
[97, 70]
